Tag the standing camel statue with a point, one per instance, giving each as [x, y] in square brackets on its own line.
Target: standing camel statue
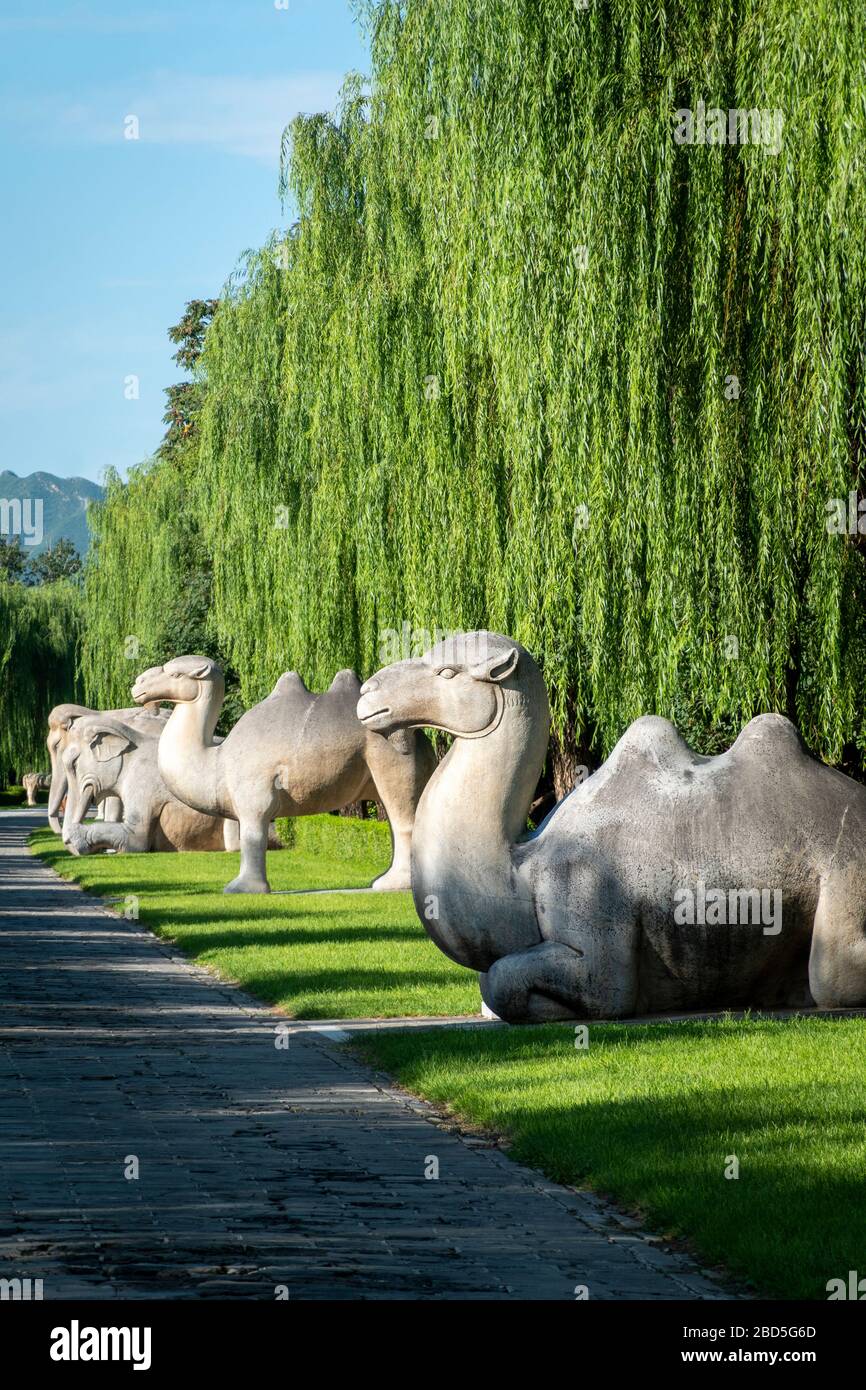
[60, 721]
[294, 754]
[605, 910]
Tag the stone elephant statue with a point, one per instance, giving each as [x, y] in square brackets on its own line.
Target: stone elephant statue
[34, 782]
[61, 719]
[106, 757]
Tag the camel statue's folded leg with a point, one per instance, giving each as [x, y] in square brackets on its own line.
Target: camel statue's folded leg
[551, 981]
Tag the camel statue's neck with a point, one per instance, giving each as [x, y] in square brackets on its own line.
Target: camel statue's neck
[471, 813]
[188, 757]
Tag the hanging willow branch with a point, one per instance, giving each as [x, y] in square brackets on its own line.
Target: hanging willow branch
[39, 631]
[527, 362]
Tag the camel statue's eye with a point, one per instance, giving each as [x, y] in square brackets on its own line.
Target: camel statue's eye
[447, 673]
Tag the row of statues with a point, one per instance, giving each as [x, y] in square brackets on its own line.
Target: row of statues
[33, 783]
[665, 882]
[171, 784]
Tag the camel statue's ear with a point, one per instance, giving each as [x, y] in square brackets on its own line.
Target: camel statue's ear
[106, 745]
[497, 667]
[189, 666]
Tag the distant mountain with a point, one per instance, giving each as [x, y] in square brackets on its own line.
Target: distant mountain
[64, 507]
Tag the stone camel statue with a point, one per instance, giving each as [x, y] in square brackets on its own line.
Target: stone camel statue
[294, 754]
[34, 782]
[60, 721]
[648, 888]
[107, 757]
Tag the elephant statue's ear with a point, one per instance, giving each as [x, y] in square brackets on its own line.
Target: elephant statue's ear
[497, 667]
[107, 745]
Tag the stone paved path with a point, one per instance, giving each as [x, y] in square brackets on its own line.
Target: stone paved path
[258, 1166]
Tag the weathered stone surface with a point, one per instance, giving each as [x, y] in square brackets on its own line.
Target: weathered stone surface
[34, 782]
[666, 881]
[108, 757]
[60, 721]
[293, 754]
[258, 1166]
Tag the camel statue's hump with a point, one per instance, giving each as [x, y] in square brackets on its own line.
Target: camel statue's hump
[289, 683]
[655, 740]
[345, 680]
[660, 742]
[768, 734]
[652, 754]
[339, 701]
[345, 687]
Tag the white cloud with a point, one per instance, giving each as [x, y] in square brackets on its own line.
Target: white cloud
[240, 115]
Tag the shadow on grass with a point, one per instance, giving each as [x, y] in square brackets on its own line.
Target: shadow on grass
[241, 938]
[323, 956]
[662, 1140]
[286, 988]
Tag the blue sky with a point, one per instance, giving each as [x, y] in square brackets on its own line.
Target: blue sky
[103, 239]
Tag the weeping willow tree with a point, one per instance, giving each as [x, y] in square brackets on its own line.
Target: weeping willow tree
[142, 575]
[132, 573]
[39, 632]
[530, 360]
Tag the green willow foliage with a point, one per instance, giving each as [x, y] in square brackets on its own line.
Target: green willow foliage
[488, 378]
[39, 632]
[138, 564]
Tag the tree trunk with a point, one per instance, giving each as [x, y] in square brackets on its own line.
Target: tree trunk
[570, 764]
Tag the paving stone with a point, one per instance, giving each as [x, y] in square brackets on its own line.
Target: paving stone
[258, 1166]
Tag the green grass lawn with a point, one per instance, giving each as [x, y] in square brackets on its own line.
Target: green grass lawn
[650, 1114]
[337, 956]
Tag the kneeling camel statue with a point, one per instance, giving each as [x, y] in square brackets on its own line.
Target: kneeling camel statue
[584, 916]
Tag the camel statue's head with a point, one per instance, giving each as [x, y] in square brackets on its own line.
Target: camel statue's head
[181, 680]
[459, 686]
[92, 761]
